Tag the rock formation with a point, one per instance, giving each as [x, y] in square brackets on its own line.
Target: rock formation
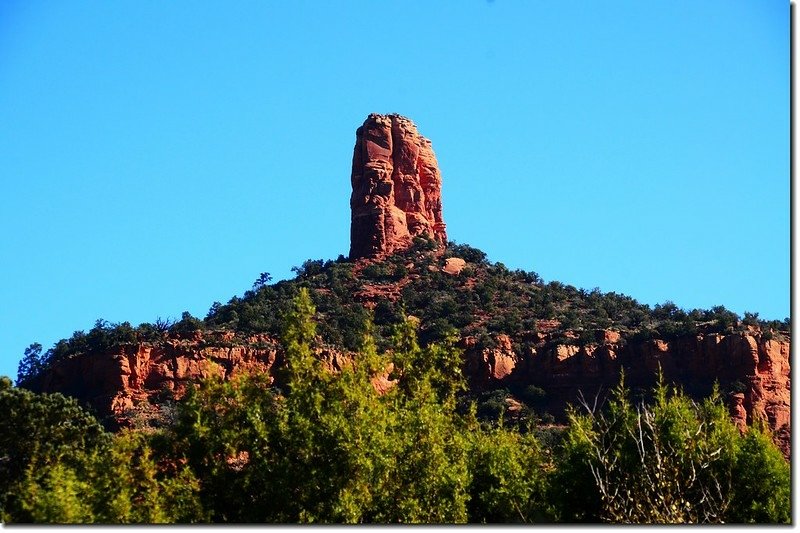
[759, 366]
[397, 188]
[133, 377]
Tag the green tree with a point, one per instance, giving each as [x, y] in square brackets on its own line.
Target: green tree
[763, 481]
[37, 432]
[118, 483]
[262, 281]
[307, 454]
[58, 494]
[508, 478]
[31, 364]
[187, 325]
[328, 447]
[127, 487]
[58, 465]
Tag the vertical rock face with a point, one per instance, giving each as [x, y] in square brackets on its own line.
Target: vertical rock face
[397, 188]
[127, 377]
[760, 368]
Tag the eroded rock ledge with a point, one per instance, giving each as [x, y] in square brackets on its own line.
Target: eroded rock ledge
[136, 376]
[758, 365]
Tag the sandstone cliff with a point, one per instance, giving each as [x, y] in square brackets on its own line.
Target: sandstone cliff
[133, 378]
[565, 371]
[127, 385]
[137, 376]
[396, 188]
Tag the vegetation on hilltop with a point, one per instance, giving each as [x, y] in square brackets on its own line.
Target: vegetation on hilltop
[327, 447]
[483, 299]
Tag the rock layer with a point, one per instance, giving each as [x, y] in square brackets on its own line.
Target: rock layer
[133, 378]
[397, 188]
[744, 360]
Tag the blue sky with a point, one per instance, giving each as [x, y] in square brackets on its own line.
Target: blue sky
[157, 156]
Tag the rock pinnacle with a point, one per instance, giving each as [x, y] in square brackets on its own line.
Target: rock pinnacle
[397, 188]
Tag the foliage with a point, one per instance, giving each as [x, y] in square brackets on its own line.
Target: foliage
[262, 281]
[317, 445]
[38, 431]
[672, 461]
[763, 481]
[508, 481]
[31, 363]
[57, 465]
[325, 446]
[187, 325]
[130, 489]
[329, 448]
[118, 483]
[309, 268]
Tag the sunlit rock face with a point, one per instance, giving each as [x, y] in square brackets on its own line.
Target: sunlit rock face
[397, 188]
[760, 366]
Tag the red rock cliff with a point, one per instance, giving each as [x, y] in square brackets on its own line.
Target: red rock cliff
[758, 365]
[133, 377]
[397, 188]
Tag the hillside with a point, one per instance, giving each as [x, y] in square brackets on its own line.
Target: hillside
[541, 344]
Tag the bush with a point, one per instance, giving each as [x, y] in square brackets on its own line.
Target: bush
[38, 431]
[508, 483]
[187, 324]
[467, 253]
[672, 461]
[309, 268]
[762, 492]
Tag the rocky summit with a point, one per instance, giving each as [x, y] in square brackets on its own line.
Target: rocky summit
[397, 188]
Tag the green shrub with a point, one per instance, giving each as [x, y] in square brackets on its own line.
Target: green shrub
[672, 461]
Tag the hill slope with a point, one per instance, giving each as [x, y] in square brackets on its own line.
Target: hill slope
[542, 345]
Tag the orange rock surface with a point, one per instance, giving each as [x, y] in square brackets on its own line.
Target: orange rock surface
[565, 371]
[397, 188]
[131, 376]
[117, 383]
[454, 266]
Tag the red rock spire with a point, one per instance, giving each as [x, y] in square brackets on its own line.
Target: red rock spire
[397, 188]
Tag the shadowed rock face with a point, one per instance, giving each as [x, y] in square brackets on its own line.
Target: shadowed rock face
[397, 188]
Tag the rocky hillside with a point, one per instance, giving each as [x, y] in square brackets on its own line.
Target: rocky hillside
[540, 345]
[517, 332]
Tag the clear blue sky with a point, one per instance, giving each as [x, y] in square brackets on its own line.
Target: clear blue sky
[157, 156]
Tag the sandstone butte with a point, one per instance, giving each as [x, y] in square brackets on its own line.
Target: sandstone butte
[396, 196]
[397, 188]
